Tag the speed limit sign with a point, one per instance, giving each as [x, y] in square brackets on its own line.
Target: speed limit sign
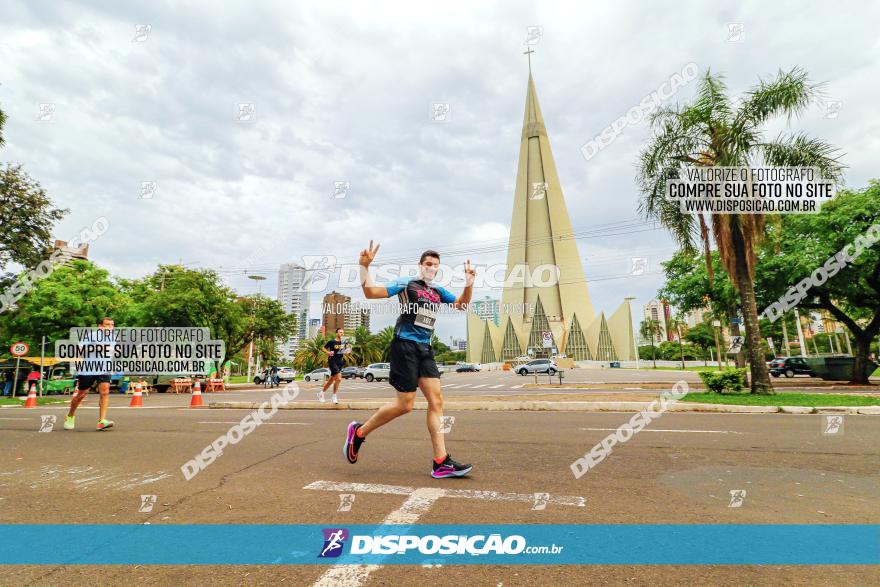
[19, 349]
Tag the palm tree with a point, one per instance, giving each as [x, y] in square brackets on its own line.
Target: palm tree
[649, 329]
[383, 342]
[267, 350]
[713, 131]
[310, 355]
[674, 323]
[365, 349]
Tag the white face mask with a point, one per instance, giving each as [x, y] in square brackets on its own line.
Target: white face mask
[425, 277]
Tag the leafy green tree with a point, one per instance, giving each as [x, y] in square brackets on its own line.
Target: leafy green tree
[437, 345]
[688, 286]
[450, 357]
[701, 336]
[69, 297]
[27, 217]
[712, 131]
[800, 244]
[267, 350]
[669, 350]
[2, 122]
[174, 296]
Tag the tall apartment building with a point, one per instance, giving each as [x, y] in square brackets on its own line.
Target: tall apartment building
[358, 317]
[314, 327]
[486, 309]
[339, 312]
[458, 344]
[660, 312]
[694, 317]
[70, 253]
[294, 300]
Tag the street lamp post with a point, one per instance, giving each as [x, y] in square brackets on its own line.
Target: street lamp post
[800, 331]
[259, 279]
[716, 327]
[629, 300]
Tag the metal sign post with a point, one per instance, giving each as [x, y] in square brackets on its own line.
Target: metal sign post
[15, 379]
[42, 360]
[18, 349]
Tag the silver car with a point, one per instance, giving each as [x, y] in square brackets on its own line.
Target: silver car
[377, 371]
[537, 366]
[318, 375]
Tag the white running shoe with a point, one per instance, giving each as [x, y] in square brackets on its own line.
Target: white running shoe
[335, 401]
[321, 397]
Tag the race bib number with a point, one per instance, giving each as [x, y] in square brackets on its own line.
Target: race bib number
[425, 317]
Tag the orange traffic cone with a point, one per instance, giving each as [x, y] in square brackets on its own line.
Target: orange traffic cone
[32, 397]
[197, 395]
[137, 400]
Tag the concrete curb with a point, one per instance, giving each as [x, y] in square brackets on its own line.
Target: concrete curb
[549, 406]
[796, 409]
[838, 409]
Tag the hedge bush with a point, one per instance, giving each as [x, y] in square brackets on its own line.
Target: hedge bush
[728, 380]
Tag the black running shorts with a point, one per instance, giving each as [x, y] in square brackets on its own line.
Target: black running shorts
[335, 367]
[84, 382]
[409, 361]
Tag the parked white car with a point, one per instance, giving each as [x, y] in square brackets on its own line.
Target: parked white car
[286, 374]
[377, 371]
[318, 375]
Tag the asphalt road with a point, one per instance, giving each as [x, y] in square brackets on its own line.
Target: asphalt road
[679, 470]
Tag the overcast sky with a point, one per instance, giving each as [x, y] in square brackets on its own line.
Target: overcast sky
[344, 91]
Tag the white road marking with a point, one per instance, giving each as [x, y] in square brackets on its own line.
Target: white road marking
[419, 502]
[517, 386]
[660, 430]
[345, 487]
[84, 476]
[478, 386]
[496, 386]
[273, 423]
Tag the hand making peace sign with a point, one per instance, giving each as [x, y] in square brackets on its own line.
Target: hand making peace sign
[469, 274]
[367, 255]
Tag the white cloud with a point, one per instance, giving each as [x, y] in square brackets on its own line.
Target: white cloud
[343, 92]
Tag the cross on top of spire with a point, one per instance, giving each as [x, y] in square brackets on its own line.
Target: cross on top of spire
[529, 52]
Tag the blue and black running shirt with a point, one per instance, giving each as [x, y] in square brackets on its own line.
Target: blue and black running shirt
[419, 303]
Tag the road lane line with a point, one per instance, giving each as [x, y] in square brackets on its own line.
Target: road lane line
[660, 430]
[456, 493]
[272, 423]
[419, 502]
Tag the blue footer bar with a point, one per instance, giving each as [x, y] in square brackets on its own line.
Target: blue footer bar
[612, 544]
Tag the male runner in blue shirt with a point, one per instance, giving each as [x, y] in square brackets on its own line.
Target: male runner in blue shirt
[412, 360]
